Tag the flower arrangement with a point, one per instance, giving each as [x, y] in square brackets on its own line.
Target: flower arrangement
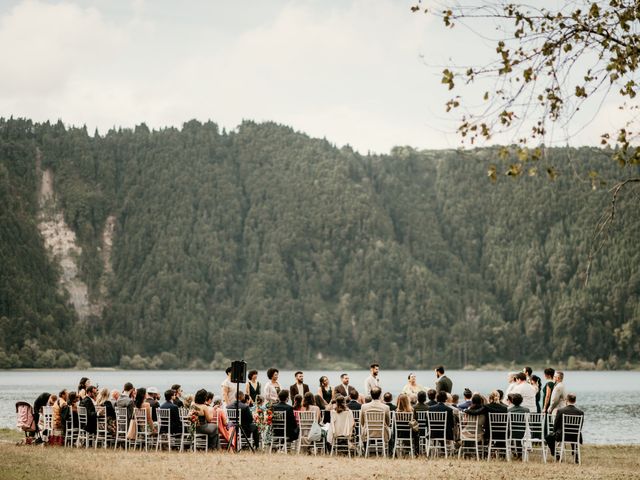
[193, 423]
[263, 417]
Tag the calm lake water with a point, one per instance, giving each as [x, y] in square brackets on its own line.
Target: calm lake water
[609, 399]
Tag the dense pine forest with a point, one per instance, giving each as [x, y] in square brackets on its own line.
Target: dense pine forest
[268, 245]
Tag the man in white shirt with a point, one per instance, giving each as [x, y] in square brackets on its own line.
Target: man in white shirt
[527, 391]
[372, 380]
[558, 399]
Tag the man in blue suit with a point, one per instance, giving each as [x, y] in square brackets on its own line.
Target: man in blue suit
[174, 413]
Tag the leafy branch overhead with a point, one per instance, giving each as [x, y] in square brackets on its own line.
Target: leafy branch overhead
[548, 64]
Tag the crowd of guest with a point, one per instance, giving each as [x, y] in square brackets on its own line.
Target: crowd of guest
[332, 405]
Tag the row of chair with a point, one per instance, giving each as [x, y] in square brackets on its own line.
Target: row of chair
[508, 432]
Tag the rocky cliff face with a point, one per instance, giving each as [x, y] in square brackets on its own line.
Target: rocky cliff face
[61, 243]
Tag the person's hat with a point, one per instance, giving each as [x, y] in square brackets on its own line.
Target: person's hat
[467, 391]
[153, 390]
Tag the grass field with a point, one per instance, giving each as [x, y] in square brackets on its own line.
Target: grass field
[22, 462]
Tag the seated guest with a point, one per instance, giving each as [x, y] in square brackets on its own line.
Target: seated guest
[467, 400]
[61, 412]
[249, 427]
[178, 397]
[494, 405]
[421, 406]
[517, 428]
[293, 431]
[324, 408]
[43, 400]
[89, 402]
[388, 399]
[153, 397]
[556, 436]
[175, 423]
[309, 405]
[476, 409]
[342, 422]
[126, 399]
[140, 402]
[206, 419]
[375, 405]
[441, 398]
[225, 429]
[73, 401]
[82, 387]
[431, 395]
[297, 403]
[103, 402]
[455, 399]
[353, 401]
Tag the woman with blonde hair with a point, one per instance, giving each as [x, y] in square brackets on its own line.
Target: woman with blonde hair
[403, 403]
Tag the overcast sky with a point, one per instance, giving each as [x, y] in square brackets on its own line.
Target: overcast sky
[358, 72]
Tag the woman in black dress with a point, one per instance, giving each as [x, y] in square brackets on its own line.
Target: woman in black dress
[253, 387]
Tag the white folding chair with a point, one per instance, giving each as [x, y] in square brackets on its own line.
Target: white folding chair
[84, 437]
[143, 436]
[571, 431]
[165, 435]
[471, 437]
[102, 433]
[518, 429]
[421, 417]
[402, 432]
[121, 428]
[498, 433]
[278, 432]
[186, 439]
[437, 434]
[47, 419]
[375, 433]
[70, 431]
[357, 434]
[536, 439]
[306, 421]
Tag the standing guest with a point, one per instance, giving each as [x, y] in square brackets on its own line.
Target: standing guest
[126, 399]
[325, 390]
[246, 419]
[252, 389]
[344, 388]
[443, 382]
[205, 418]
[527, 391]
[82, 386]
[178, 396]
[89, 402]
[557, 395]
[309, 405]
[299, 387]
[293, 430]
[388, 400]
[467, 400]
[376, 405]
[441, 398]
[548, 388]
[43, 400]
[431, 395]
[528, 371]
[152, 399]
[412, 385]
[556, 436]
[227, 387]
[372, 380]
[272, 388]
[175, 423]
[511, 379]
[353, 403]
[537, 384]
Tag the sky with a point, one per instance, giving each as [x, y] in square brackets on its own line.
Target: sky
[357, 72]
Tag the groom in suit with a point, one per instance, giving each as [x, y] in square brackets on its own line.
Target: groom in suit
[298, 388]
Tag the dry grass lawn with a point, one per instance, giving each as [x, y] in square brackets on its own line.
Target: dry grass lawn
[29, 462]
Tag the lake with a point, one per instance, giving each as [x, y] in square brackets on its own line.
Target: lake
[609, 399]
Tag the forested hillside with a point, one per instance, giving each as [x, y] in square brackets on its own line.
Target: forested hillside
[268, 245]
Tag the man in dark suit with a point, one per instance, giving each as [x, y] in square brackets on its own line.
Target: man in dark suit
[174, 413]
[344, 388]
[353, 403]
[441, 398]
[431, 394]
[388, 400]
[518, 429]
[555, 437]
[282, 406]
[246, 418]
[299, 388]
[89, 402]
[443, 382]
